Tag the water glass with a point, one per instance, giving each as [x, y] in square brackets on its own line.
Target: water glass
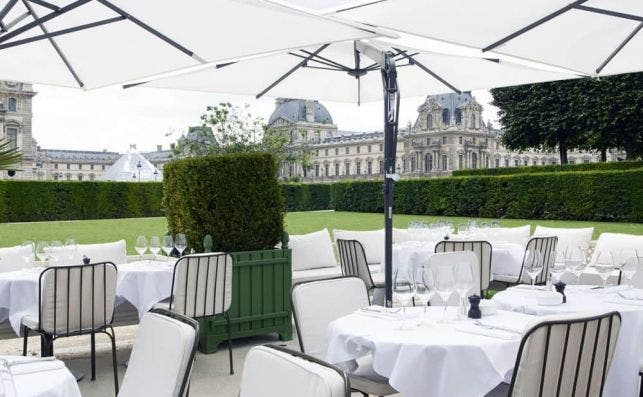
[558, 267]
[403, 286]
[630, 268]
[534, 265]
[576, 261]
[444, 285]
[168, 246]
[424, 286]
[180, 243]
[55, 252]
[141, 246]
[463, 282]
[42, 251]
[71, 249]
[604, 265]
[28, 250]
[155, 246]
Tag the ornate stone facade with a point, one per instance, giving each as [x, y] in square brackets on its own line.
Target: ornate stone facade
[15, 124]
[449, 134]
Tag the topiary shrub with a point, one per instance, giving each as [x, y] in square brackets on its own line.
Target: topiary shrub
[236, 198]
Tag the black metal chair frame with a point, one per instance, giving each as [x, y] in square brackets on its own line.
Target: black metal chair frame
[349, 268]
[47, 339]
[540, 241]
[304, 356]
[196, 291]
[569, 323]
[464, 244]
[185, 383]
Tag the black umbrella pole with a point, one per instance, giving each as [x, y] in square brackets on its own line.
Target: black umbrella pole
[391, 110]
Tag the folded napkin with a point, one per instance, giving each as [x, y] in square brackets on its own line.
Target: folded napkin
[532, 287]
[387, 313]
[484, 331]
[622, 301]
[516, 329]
[631, 294]
[27, 365]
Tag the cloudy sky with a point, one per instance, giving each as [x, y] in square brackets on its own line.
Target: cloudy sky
[113, 118]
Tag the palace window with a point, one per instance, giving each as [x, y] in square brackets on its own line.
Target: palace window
[358, 167]
[347, 168]
[381, 167]
[80, 177]
[68, 176]
[446, 117]
[317, 170]
[381, 147]
[103, 167]
[326, 170]
[369, 167]
[80, 166]
[413, 163]
[486, 141]
[336, 151]
[526, 162]
[91, 166]
[444, 162]
[506, 162]
[473, 121]
[516, 163]
[290, 170]
[460, 162]
[91, 177]
[68, 166]
[535, 162]
[458, 116]
[474, 160]
[428, 163]
[337, 169]
[460, 140]
[497, 163]
[571, 161]
[12, 105]
[369, 148]
[55, 166]
[347, 149]
[358, 148]
[12, 137]
[429, 122]
[444, 140]
[474, 141]
[325, 152]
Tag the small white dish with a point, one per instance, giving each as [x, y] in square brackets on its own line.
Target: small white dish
[549, 299]
[488, 307]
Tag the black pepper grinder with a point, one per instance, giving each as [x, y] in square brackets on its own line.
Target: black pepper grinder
[560, 288]
[85, 260]
[474, 309]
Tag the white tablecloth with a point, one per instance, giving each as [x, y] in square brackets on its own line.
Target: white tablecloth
[141, 284]
[41, 378]
[442, 360]
[622, 379]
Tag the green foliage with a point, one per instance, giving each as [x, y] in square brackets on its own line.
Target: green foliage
[235, 198]
[611, 166]
[306, 197]
[29, 201]
[9, 156]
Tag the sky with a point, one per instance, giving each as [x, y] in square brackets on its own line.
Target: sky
[113, 118]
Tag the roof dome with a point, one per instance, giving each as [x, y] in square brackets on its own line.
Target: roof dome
[294, 110]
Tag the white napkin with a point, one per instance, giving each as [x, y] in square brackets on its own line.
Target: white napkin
[631, 294]
[492, 333]
[27, 365]
[503, 327]
[387, 313]
[532, 287]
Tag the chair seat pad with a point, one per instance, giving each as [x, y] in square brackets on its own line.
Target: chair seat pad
[299, 276]
[164, 304]
[505, 278]
[366, 380]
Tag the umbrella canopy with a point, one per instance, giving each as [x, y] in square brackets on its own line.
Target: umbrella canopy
[131, 167]
[590, 37]
[341, 72]
[94, 43]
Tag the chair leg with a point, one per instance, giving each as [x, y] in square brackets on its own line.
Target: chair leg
[112, 338]
[25, 332]
[227, 315]
[641, 391]
[93, 355]
[46, 345]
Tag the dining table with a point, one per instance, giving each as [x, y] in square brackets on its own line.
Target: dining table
[141, 283]
[36, 377]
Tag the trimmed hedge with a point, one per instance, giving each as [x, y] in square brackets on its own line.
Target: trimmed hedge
[236, 198]
[30, 201]
[609, 166]
[306, 197]
[591, 195]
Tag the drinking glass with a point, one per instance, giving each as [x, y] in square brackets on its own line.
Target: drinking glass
[450, 228]
[55, 252]
[604, 265]
[576, 261]
[155, 246]
[463, 229]
[403, 290]
[424, 287]
[71, 248]
[42, 251]
[168, 246]
[444, 285]
[622, 256]
[141, 246]
[630, 268]
[463, 282]
[28, 249]
[558, 267]
[534, 265]
[180, 243]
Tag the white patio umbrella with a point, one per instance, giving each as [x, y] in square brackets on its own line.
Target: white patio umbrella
[94, 43]
[589, 37]
[359, 71]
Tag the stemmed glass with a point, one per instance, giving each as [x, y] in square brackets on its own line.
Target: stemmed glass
[168, 246]
[424, 288]
[71, 249]
[463, 282]
[42, 251]
[576, 261]
[444, 285]
[534, 265]
[403, 288]
[180, 243]
[55, 251]
[28, 249]
[155, 246]
[558, 267]
[604, 265]
[141, 246]
[631, 266]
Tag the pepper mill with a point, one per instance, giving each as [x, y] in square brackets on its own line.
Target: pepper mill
[85, 260]
[560, 288]
[474, 310]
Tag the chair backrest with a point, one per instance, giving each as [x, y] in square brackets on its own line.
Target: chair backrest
[162, 356]
[566, 357]
[483, 251]
[546, 248]
[202, 284]
[452, 259]
[317, 303]
[277, 371]
[352, 259]
[76, 299]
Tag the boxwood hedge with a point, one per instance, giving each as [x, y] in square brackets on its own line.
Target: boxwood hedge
[611, 166]
[306, 197]
[236, 198]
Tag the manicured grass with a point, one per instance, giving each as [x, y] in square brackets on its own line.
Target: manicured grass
[95, 231]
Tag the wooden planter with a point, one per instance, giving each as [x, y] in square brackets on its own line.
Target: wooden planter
[260, 299]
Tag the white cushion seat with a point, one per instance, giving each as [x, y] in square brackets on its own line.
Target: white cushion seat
[299, 276]
[516, 235]
[312, 251]
[615, 242]
[567, 237]
[372, 241]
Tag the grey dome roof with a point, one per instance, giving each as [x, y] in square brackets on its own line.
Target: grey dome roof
[294, 110]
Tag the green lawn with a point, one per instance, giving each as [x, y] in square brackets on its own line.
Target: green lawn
[296, 223]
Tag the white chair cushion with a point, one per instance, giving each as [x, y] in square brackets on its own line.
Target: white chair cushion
[12, 258]
[371, 240]
[115, 252]
[516, 235]
[425, 235]
[567, 238]
[617, 241]
[312, 251]
[159, 358]
[269, 372]
[299, 276]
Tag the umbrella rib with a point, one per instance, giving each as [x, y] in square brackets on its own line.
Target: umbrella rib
[53, 43]
[317, 60]
[151, 30]
[16, 21]
[619, 48]
[60, 32]
[46, 4]
[359, 6]
[413, 61]
[292, 70]
[533, 25]
[610, 13]
[339, 65]
[3, 13]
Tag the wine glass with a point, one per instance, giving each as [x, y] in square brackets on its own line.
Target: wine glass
[424, 287]
[167, 246]
[576, 261]
[621, 256]
[155, 246]
[534, 265]
[604, 265]
[631, 266]
[444, 285]
[558, 267]
[141, 246]
[403, 289]
[42, 251]
[463, 282]
[450, 228]
[55, 251]
[71, 248]
[180, 243]
[27, 250]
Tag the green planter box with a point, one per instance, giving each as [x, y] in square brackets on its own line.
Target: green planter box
[260, 299]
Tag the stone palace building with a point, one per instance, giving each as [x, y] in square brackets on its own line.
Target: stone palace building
[448, 134]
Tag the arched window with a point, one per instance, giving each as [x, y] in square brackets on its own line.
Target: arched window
[460, 161]
[428, 163]
[12, 105]
[458, 116]
[446, 117]
[474, 160]
[429, 122]
[473, 121]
